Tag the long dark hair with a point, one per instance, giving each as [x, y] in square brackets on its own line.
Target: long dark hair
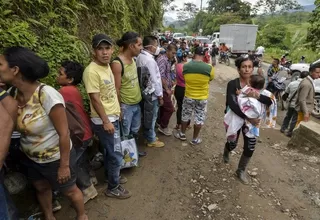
[31, 66]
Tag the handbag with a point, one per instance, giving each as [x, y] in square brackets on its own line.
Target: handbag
[129, 150]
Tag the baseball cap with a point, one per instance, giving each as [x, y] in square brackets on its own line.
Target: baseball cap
[199, 51]
[99, 38]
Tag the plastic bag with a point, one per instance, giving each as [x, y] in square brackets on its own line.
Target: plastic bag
[130, 153]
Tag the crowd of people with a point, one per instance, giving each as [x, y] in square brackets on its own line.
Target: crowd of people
[128, 94]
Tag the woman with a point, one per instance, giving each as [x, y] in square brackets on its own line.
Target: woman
[245, 69]
[180, 88]
[42, 122]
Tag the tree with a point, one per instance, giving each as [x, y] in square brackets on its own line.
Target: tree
[234, 6]
[314, 30]
[273, 6]
[188, 12]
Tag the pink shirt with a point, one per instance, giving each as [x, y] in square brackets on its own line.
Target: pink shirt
[179, 75]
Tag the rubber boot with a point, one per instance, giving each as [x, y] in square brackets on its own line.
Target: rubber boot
[226, 154]
[241, 171]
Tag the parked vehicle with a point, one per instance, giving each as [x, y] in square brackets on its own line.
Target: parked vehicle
[240, 38]
[296, 70]
[203, 41]
[178, 36]
[215, 37]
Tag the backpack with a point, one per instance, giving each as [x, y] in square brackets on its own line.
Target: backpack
[76, 127]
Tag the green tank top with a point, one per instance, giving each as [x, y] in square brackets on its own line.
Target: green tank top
[130, 90]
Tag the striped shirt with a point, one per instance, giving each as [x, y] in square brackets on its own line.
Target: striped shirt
[164, 65]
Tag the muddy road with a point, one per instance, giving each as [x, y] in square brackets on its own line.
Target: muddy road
[182, 182]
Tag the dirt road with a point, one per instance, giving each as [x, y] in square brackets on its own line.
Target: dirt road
[182, 182]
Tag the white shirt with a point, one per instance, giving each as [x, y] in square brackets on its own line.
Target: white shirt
[145, 59]
[291, 90]
[260, 50]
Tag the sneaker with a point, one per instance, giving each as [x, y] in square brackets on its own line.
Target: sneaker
[156, 144]
[165, 131]
[180, 136]
[119, 193]
[89, 193]
[122, 180]
[282, 131]
[146, 141]
[289, 134]
[196, 141]
[56, 206]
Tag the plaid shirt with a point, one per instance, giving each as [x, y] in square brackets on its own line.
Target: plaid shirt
[164, 65]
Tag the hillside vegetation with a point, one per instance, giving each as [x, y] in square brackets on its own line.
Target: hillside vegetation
[59, 30]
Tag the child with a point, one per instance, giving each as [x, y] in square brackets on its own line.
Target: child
[70, 75]
[252, 108]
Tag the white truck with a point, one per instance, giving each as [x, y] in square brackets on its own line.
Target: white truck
[239, 37]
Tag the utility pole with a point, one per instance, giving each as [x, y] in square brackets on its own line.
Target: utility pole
[201, 6]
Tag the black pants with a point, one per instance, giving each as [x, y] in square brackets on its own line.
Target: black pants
[248, 145]
[292, 115]
[179, 95]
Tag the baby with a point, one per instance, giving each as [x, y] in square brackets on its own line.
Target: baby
[250, 106]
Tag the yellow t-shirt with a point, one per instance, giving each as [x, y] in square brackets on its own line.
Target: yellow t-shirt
[197, 76]
[99, 79]
[130, 93]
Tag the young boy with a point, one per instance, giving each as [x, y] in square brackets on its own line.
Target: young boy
[70, 75]
[252, 108]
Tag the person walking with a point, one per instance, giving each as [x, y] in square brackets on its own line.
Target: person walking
[105, 112]
[291, 117]
[245, 69]
[197, 75]
[125, 74]
[151, 88]
[166, 110]
[306, 94]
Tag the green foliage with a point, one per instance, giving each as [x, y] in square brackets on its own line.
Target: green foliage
[59, 30]
[273, 35]
[314, 30]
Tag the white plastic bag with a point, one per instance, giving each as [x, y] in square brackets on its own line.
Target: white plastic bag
[233, 123]
[130, 153]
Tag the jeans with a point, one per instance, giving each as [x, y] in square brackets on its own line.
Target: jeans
[292, 115]
[179, 95]
[83, 167]
[248, 146]
[8, 210]
[150, 134]
[131, 119]
[166, 111]
[112, 153]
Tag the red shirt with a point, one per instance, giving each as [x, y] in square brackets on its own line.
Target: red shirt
[72, 94]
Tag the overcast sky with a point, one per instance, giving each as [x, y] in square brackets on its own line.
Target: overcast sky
[204, 3]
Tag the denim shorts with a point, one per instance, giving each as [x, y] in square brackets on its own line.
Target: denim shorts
[49, 171]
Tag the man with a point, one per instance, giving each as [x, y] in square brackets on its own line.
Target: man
[223, 51]
[164, 63]
[197, 75]
[181, 50]
[260, 51]
[292, 114]
[8, 116]
[214, 52]
[105, 112]
[273, 70]
[306, 94]
[151, 88]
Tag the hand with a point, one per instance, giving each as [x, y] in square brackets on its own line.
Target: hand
[108, 127]
[238, 92]
[160, 102]
[306, 117]
[63, 174]
[254, 121]
[169, 92]
[253, 94]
